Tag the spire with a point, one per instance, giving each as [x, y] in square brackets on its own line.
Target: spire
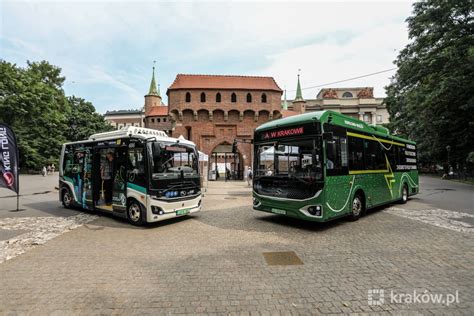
[299, 95]
[285, 103]
[153, 90]
[299, 104]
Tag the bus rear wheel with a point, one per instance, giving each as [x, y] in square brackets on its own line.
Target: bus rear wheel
[404, 198]
[357, 207]
[135, 213]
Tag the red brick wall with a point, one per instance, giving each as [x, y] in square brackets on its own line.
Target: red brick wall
[229, 120]
[152, 122]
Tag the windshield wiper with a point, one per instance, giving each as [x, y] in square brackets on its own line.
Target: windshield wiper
[166, 162]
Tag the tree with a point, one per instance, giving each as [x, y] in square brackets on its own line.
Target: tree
[83, 120]
[430, 97]
[33, 103]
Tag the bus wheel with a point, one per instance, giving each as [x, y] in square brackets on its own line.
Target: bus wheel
[357, 207]
[404, 194]
[135, 213]
[66, 199]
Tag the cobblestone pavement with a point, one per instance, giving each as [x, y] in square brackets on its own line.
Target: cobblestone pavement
[36, 231]
[213, 263]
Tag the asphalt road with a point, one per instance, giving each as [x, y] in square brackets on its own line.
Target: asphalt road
[446, 194]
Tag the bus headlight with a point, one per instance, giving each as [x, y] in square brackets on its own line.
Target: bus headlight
[157, 210]
[315, 210]
[256, 202]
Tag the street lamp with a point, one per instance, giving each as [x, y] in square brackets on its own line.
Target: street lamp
[448, 149]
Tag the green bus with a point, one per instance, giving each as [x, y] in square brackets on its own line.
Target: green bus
[323, 165]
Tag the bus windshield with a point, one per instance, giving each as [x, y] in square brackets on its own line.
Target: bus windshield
[174, 161]
[295, 159]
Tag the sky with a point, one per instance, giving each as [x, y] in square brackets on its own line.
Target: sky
[106, 49]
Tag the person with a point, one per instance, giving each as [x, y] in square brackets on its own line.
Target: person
[329, 164]
[445, 171]
[106, 172]
[227, 171]
[43, 171]
[49, 169]
[269, 172]
[53, 167]
[249, 176]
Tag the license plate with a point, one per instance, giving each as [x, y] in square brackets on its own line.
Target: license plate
[182, 212]
[277, 211]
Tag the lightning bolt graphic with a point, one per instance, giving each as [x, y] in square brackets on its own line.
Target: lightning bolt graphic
[389, 178]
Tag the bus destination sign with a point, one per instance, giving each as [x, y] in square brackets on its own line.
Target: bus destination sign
[294, 131]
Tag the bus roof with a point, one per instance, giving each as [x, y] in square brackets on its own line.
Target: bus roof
[134, 132]
[139, 132]
[336, 119]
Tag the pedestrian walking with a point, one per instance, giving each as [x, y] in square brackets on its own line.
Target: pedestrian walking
[48, 171]
[43, 171]
[249, 176]
[53, 167]
[107, 172]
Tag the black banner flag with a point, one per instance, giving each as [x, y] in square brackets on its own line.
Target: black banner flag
[9, 159]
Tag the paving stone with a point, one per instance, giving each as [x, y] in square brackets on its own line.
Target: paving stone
[213, 262]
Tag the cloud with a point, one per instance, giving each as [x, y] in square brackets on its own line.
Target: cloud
[331, 61]
[107, 47]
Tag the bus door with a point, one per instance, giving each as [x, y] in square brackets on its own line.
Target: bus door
[136, 175]
[76, 172]
[88, 193]
[121, 165]
[100, 188]
[338, 184]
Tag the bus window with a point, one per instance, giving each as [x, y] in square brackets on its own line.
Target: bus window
[336, 150]
[136, 165]
[73, 160]
[374, 155]
[356, 153]
[392, 155]
[67, 161]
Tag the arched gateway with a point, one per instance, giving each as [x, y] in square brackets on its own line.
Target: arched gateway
[224, 164]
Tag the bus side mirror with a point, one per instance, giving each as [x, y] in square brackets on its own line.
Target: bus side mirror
[156, 150]
[327, 136]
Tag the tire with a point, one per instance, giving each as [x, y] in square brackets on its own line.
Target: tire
[358, 207]
[135, 213]
[404, 198]
[66, 198]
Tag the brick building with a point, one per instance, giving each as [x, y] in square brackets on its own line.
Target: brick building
[213, 110]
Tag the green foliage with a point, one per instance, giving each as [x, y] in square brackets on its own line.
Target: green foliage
[430, 99]
[83, 120]
[33, 103]
[470, 157]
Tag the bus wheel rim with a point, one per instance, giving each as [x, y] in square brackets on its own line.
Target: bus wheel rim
[134, 212]
[356, 206]
[67, 198]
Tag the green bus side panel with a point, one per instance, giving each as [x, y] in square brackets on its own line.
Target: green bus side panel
[136, 187]
[378, 188]
[336, 197]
